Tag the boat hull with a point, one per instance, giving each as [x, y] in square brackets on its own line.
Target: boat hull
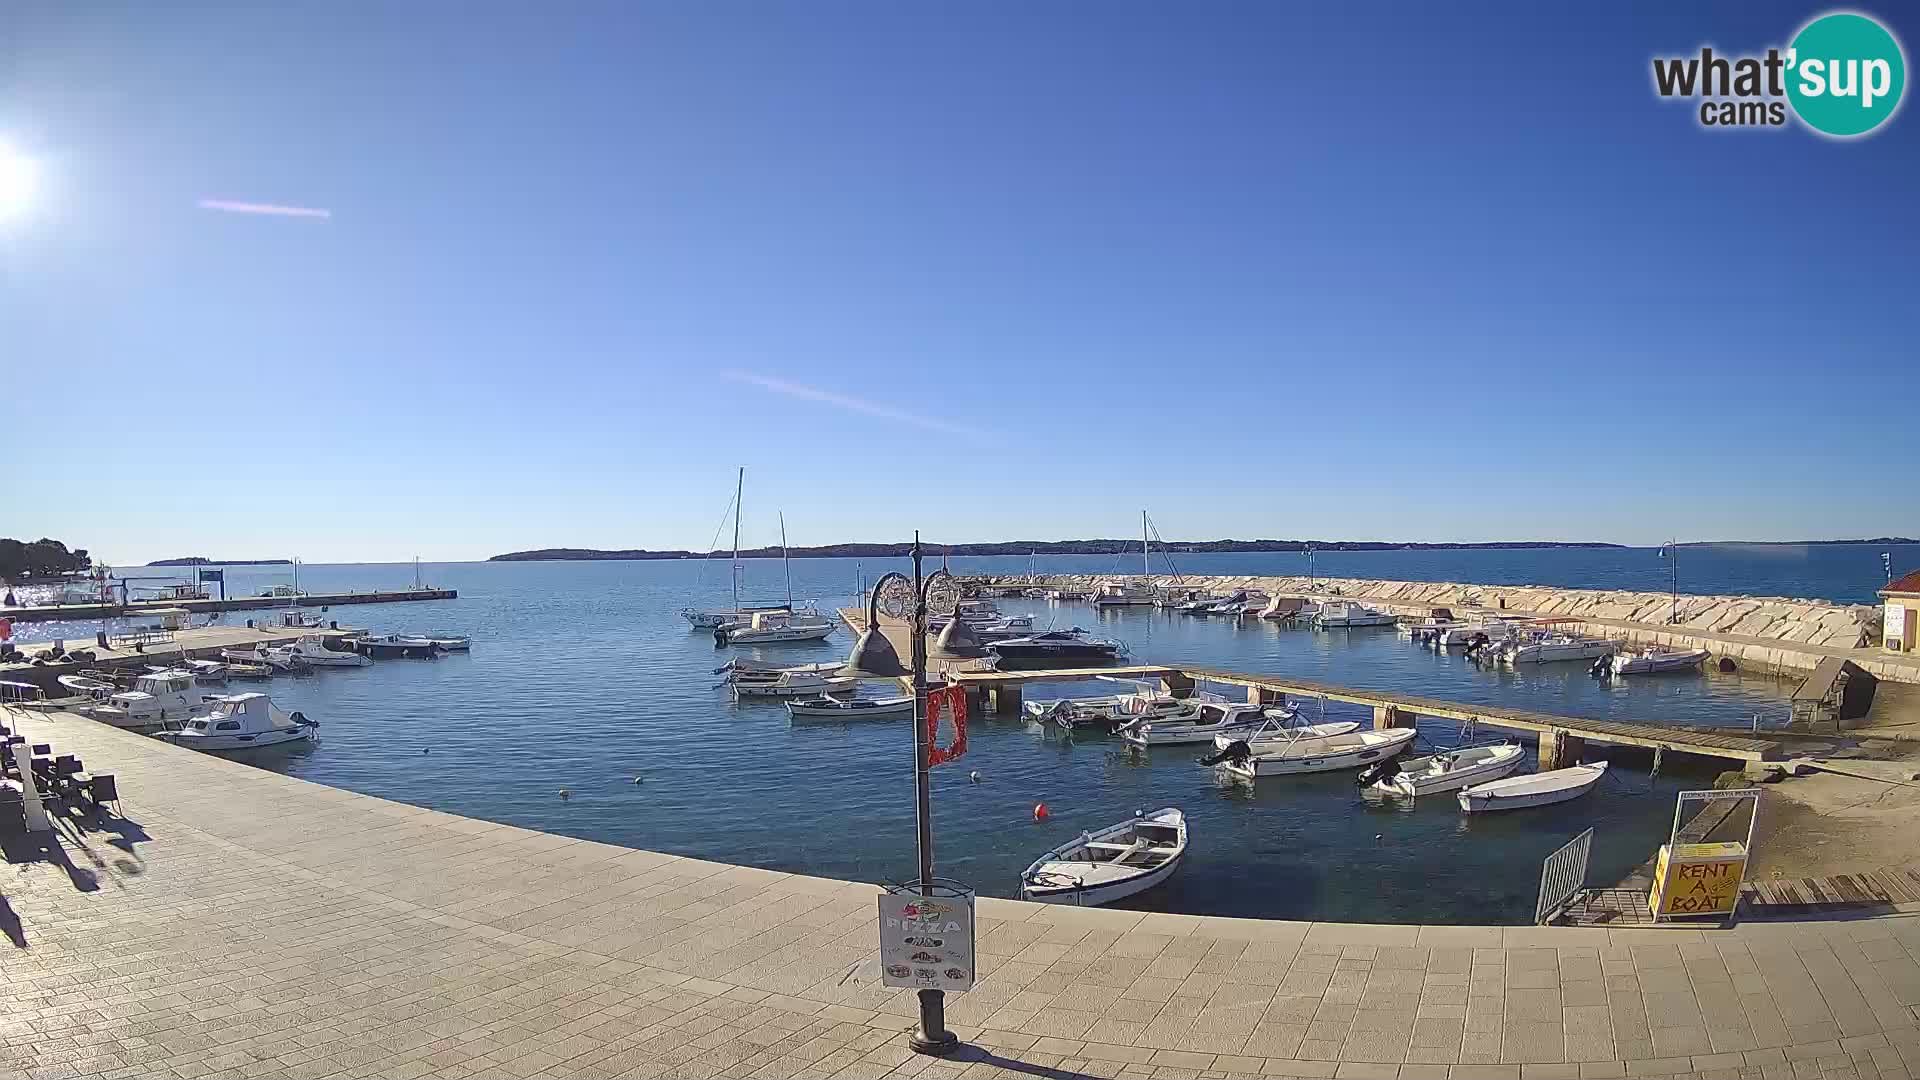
[226, 743]
[1096, 895]
[1332, 759]
[1414, 784]
[1482, 801]
[1653, 665]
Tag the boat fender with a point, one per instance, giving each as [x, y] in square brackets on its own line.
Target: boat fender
[972, 777]
[565, 794]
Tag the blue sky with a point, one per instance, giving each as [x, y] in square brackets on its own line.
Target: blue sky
[992, 271]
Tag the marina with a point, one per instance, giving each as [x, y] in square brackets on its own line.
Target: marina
[1362, 679]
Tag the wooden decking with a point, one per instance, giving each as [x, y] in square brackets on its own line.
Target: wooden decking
[1652, 736]
[1875, 888]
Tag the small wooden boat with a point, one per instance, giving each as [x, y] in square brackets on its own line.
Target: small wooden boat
[1114, 863]
[1650, 661]
[449, 641]
[241, 669]
[1349, 751]
[1539, 789]
[826, 709]
[1449, 770]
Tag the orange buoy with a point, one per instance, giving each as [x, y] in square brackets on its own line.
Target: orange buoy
[1040, 812]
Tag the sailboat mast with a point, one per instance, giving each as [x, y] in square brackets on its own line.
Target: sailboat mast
[739, 488]
[1146, 569]
[786, 564]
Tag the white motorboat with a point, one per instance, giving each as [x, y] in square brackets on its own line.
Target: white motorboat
[279, 659]
[313, 649]
[1284, 608]
[1277, 732]
[1349, 751]
[208, 672]
[1652, 661]
[1340, 614]
[1108, 865]
[1449, 770]
[153, 699]
[794, 684]
[825, 709]
[1123, 594]
[1554, 648]
[240, 722]
[713, 620]
[1107, 713]
[1539, 789]
[449, 641]
[397, 646]
[1198, 725]
[1489, 629]
[243, 669]
[772, 628]
[741, 667]
[1066, 594]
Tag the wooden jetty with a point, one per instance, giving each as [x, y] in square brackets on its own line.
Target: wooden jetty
[1562, 738]
[143, 651]
[136, 608]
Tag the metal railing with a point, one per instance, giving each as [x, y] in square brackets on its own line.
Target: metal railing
[1562, 874]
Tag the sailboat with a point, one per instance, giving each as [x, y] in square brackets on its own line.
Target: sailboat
[778, 626]
[709, 619]
[1128, 593]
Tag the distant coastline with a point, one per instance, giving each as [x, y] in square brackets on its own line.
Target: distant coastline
[1121, 547]
[201, 560]
[1026, 547]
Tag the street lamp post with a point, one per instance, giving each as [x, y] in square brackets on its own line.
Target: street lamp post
[873, 656]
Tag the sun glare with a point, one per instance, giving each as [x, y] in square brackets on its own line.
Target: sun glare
[17, 180]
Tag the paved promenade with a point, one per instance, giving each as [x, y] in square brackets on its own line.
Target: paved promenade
[238, 923]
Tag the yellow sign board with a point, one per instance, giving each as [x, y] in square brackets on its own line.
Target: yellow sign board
[1698, 879]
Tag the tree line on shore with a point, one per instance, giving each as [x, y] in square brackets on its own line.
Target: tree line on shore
[40, 558]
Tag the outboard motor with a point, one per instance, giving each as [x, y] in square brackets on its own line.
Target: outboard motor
[719, 637]
[1602, 668]
[1379, 770]
[1236, 751]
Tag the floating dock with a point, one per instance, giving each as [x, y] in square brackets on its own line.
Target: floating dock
[1562, 738]
[134, 609]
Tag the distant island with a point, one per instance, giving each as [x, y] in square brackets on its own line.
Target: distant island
[1027, 547]
[202, 560]
[1798, 543]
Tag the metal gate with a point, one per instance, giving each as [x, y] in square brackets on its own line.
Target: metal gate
[1562, 874]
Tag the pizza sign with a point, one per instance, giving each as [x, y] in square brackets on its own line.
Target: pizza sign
[926, 942]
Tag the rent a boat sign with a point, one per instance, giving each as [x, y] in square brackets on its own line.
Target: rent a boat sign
[926, 942]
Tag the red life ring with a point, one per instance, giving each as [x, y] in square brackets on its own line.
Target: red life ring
[951, 699]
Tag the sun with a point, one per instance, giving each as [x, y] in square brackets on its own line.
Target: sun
[18, 178]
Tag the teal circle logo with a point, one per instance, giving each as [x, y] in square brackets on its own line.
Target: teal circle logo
[1846, 74]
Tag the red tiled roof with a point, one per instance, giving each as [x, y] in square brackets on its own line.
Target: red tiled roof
[1905, 583]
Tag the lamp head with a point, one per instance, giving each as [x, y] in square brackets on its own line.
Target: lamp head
[873, 657]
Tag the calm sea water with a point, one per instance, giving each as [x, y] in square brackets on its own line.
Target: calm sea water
[583, 677]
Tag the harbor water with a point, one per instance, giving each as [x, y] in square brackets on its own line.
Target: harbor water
[584, 677]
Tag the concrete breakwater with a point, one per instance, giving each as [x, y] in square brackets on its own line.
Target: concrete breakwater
[1778, 634]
